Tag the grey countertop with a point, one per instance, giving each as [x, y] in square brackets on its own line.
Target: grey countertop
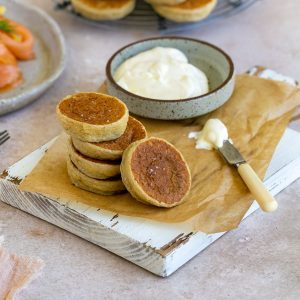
[259, 260]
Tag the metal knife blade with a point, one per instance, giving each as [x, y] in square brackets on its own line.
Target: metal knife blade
[231, 154]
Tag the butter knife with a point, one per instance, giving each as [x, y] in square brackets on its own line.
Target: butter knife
[262, 196]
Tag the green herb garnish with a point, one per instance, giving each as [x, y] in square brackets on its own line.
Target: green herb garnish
[6, 27]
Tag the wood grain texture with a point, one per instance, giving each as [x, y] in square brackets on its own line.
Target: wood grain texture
[79, 224]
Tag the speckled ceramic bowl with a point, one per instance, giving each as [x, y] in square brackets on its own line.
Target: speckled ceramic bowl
[216, 64]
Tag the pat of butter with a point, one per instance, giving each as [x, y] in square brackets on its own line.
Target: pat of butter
[212, 136]
[161, 73]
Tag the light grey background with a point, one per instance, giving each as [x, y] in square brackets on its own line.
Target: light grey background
[259, 260]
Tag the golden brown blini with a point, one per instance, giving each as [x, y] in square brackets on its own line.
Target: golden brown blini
[155, 172]
[103, 187]
[104, 9]
[164, 2]
[95, 168]
[114, 149]
[93, 117]
[188, 11]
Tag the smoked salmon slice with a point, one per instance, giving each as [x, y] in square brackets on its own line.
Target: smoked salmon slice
[20, 41]
[10, 73]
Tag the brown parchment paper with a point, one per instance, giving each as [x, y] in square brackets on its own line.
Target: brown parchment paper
[256, 116]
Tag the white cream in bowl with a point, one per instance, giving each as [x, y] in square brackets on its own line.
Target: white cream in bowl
[161, 73]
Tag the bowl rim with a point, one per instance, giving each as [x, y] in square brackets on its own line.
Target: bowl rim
[225, 82]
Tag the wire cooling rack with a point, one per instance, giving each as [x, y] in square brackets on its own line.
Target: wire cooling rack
[145, 18]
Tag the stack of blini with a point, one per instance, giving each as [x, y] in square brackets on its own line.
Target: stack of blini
[108, 152]
[183, 10]
[100, 129]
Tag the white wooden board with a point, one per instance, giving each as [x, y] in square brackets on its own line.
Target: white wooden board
[158, 247]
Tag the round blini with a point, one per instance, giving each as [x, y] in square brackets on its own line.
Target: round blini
[164, 2]
[98, 169]
[98, 186]
[188, 11]
[93, 117]
[113, 150]
[104, 9]
[155, 172]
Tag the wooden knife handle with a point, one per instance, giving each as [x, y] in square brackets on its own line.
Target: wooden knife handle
[262, 196]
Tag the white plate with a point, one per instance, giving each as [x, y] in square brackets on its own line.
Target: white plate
[40, 73]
